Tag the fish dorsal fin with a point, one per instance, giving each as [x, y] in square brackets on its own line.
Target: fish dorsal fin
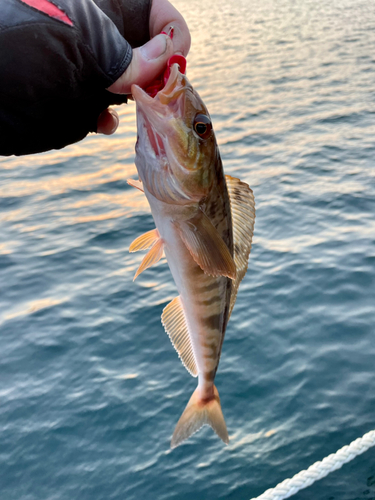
[206, 245]
[174, 322]
[243, 218]
[136, 184]
[144, 241]
[153, 256]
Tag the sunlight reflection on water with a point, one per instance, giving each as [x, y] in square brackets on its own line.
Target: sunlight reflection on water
[90, 386]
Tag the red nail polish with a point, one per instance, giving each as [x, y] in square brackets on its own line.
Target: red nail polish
[170, 32]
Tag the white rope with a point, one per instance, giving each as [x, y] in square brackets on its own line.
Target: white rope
[319, 470]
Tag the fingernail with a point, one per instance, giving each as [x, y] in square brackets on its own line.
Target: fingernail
[170, 32]
[107, 122]
[155, 47]
[116, 120]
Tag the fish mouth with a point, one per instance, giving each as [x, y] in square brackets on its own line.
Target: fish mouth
[156, 114]
[165, 96]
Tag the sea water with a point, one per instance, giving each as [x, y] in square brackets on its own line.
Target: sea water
[90, 386]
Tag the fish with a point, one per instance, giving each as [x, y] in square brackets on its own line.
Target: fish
[204, 227]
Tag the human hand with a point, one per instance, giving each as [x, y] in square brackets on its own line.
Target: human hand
[149, 60]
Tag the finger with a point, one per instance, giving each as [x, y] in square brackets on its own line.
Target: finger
[163, 16]
[180, 44]
[147, 63]
[107, 122]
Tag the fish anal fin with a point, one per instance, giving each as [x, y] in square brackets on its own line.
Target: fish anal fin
[153, 256]
[174, 322]
[136, 183]
[206, 246]
[243, 218]
[144, 241]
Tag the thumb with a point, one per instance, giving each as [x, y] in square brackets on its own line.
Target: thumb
[147, 63]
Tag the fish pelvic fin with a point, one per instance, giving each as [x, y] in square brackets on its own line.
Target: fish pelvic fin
[152, 257]
[145, 241]
[198, 413]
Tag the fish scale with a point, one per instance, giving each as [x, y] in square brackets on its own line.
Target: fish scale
[204, 224]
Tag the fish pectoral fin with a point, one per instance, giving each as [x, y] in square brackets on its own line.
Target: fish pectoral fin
[242, 205]
[206, 246]
[153, 256]
[136, 184]
[174, 322]
[145, 241]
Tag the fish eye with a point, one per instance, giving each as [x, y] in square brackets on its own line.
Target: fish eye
[202, 125]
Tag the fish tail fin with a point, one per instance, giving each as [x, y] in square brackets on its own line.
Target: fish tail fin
[197, 413]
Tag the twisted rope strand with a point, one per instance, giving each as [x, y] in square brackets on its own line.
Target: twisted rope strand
[320, 469]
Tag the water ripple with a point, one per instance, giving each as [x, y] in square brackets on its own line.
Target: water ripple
[91, 388]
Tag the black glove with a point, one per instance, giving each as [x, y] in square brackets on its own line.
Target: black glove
[55, 64]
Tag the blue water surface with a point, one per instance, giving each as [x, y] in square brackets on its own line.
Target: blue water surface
[90, 386]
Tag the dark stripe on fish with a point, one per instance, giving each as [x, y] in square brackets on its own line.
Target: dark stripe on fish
[209, 376]
[213, 322]
[208, 288]
[211, 301]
